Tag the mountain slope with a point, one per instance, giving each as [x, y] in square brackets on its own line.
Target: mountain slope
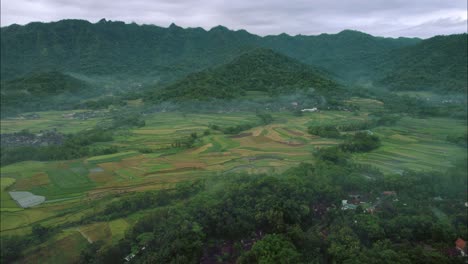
[41, 91]
[257, 70]
[116, 48]
[438, 63]
[350, 54]
[112, 48]
[44, 84]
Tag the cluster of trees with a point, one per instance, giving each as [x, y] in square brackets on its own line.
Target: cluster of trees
[146, 200]
[295, 218]
[101, 103]
[12, 246]
[233, 129]
[324, 131]
[265, 119]
[127, 119]
[75, 146]
[461, 140]
[395, 104]
[333, 131]
[186, 142]
[42, 91]
[361, 142]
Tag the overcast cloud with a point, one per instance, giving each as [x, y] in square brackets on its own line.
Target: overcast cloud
[393, 18]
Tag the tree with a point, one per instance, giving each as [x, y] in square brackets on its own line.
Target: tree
[332, 154]
[361, 142]
[40, 232]
[271, 249]
[265, 118]
[344, 244]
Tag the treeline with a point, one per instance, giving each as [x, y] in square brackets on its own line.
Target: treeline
[296, 218]
[74, 146]
[334, 131]
[77, 145]
[265, 119]
[413, 106]
[359, 142]
[461, 140]
[146, 200]
[12, 246]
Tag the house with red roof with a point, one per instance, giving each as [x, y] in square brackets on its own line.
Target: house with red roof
[460, 245]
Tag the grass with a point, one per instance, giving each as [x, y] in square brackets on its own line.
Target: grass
[23, 169]
[111, 157]
[7, 204]
[118, 228]
[47, 121]
[64, 247]
[416, 144]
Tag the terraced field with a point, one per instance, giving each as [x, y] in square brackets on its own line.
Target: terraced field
[416, 144]
[70, 187]
[46, 121]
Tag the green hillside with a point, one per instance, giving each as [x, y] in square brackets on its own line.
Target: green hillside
[44, 84]
[113, 48]
[41, 91]
[258, 70]
[438, 63]
[350, 54]
[165, 54]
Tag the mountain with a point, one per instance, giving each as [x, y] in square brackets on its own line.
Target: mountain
[350, 54]
[438, 63]
[166, 54]
[44, 84]
[41, 91]
[257, 70]
[116, 48]
[147, 55]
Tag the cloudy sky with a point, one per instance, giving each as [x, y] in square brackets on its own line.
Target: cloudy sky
[411, 18]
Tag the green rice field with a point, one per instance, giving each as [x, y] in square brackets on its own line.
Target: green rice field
[71, 187]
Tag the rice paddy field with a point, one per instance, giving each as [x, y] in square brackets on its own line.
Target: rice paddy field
[75, 188]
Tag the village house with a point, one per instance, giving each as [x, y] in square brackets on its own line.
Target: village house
[347, 206]
[310, 109]
[460, 245]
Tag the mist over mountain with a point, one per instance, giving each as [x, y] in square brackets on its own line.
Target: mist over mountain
[159, 57]
[43, 91]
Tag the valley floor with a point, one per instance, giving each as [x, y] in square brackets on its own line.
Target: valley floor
[76, 188]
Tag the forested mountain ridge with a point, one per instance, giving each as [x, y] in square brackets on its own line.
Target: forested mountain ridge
[42, 91]
[44, 83]
[438, 63]
[161, 56]
[107, 48]
[350, 54]
[258, 70]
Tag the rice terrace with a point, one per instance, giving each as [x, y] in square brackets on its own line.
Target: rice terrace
[124, 142]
